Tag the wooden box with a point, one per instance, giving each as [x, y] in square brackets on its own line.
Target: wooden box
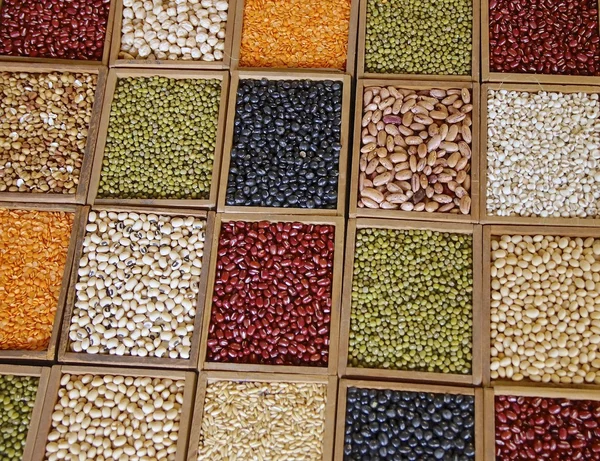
[362, 72]
[77, 62]
[116, 74]
[344, 141]
[65, 355]
[336, 291]
[356, 211]
[206, 378]
[488, 232]
[405, 387]
[50, 354]
[485, 218]
[489, 409]
[181, 64]
[345, 370]
[487, 75]
[44, 374]
[88, 155]
[237, 42]
[45, 420]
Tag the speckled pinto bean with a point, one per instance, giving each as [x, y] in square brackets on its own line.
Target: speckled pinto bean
[54, 28]
[534, 428]
[544, 36]
[272, 297]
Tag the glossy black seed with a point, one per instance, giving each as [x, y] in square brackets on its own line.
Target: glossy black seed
[406, 426]
[286, 144]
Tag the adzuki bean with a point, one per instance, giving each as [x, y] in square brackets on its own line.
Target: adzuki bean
[272, 296]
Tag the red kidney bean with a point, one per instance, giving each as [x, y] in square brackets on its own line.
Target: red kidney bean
[272, 294]
[66, 29]
[546, 429]
[561, 37]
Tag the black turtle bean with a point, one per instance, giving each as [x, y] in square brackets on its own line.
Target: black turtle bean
[286, 144]
[413, 426]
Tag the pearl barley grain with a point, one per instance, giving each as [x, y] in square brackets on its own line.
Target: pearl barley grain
[138, 285]
[545, 323]
[543, 153]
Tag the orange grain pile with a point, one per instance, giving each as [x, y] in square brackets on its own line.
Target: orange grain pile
[33, 253]
[295, 33]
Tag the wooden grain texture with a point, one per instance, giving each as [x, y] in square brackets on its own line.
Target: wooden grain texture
[181, 64]
[206, 378]
[50, 353]
[58, 371]
[64, 353]
[344, 384]
[336, 293]
[113, 77]
[344, 141]
[475, 53]
[355, 211]
[350, 58]
[88, 154]
[345, 370]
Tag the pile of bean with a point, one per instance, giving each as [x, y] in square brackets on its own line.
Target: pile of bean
[44, 130]
[269, 421]
[416, 150]
[17, 396]
[412, 296]
[272, 296]
[174, 29]
[104, 417]
[542, 154]
[544, 37]
[533, 428]
[299, 33]
[161, 139]
[415, 426]
[286, 144]
[429, 37]
[545, 324]
[49, 29]
[138, 285]
[33, 255]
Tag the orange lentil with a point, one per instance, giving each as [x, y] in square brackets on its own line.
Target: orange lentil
[33, 253]
[295, 33]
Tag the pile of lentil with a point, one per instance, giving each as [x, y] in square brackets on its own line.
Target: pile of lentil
[412, 301]
[399, 425]
[44, 130]
[17, 395]
[161, 139]
[286, 145]
[431, 37]
[33, 255]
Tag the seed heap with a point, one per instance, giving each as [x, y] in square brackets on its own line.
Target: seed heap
[545, 325]
[270, 421]
[429, 37]
[138, 285]
[397, 426]
[17, 395]
[542, 428]
[115, 417]
[44, 130]
[33, 255]
[542, 154]
[286, 144]
[272, 298]
[161, 139]
[412, 301]
[416, 150]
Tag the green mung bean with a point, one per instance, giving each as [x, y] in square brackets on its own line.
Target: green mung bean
[17, 396]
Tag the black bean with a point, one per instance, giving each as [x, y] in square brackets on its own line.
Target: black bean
[286, 144]
[406, 426]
